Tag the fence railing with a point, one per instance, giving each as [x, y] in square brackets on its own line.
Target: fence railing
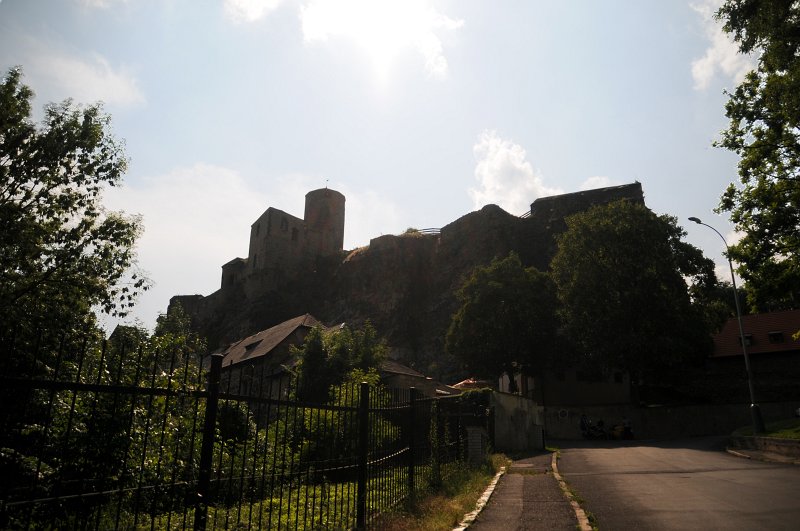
[98, 436]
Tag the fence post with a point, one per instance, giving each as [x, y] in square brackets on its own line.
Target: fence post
[412, 442]
[207, 448]
[363, 440]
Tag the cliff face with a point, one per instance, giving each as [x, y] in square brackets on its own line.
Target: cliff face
[405, 285]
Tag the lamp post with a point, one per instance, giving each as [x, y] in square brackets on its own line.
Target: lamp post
[755, 411]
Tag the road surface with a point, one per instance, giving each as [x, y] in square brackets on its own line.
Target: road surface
[689, 484]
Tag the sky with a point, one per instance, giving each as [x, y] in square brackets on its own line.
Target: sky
[418, 111]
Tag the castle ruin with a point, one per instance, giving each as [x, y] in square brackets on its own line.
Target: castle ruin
[404, 284]
[282, 245]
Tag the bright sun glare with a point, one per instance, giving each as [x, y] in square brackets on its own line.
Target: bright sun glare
[382, 28]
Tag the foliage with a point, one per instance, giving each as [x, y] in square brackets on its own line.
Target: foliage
[326, 359]
[506, 322]
[764, 131]
[781, 429]
[61, 252]
[115, 443]
[175, 328]
[443, 508]
[72, 439]
[621, 274]
[717, 302]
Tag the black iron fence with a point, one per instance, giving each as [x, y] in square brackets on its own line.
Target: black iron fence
[99, 436]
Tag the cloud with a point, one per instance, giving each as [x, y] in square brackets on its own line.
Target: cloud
[102, 4]
[383, 28]
[506, 178]
[196, 219]
[84, 80]
[250, 10]
[722, 55]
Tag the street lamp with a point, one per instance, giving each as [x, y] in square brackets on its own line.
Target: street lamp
[755, 411]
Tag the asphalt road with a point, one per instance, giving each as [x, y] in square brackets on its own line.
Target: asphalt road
[688, 484]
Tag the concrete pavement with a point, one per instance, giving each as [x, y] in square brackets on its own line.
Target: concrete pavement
[528, 496]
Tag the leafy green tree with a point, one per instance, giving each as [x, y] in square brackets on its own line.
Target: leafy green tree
[621, 275]
[717, 302]
[61, 253]
[764, 131]
[328, 358]
[174, 329]
[312, 369]
[506, 322]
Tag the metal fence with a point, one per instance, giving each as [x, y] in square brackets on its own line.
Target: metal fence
[96, 435]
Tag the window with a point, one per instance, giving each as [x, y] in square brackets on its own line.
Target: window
[284, 224]
[248, 349]
[748, 340]
[775, 337]
[294, 234]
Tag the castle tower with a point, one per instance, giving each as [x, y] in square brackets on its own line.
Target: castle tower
[324, 221]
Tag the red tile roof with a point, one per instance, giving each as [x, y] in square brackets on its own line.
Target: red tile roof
[760, 327]
[472, 383]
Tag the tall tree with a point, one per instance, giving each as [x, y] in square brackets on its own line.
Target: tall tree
[764, 131]
[506, 323]
[61, 253]
[327, 358]
[621, 276]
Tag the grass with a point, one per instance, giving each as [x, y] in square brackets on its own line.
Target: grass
[782, 429]
[575, 496]
[580, 501]
[444, 508]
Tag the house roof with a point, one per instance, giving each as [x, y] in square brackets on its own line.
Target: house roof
[472, 383]
[394, 367]
[769, 333]
[264, 342]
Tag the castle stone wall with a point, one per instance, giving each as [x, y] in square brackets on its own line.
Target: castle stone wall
[324, 221]
[404, 284]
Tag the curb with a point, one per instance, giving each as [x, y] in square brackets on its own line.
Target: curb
[764, 457]
[737, 454]
[583, 520]
[469, 518]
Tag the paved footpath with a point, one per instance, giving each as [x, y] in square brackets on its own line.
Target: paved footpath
[527, 496]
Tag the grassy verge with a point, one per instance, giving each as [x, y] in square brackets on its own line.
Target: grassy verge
[782, 429]
[443, 509]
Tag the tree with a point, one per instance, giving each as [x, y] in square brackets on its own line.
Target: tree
[764, 131]
[506, 322]
[61, 253]
[327, 359]
[621, 276]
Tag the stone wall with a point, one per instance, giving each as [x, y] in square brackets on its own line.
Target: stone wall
[517, 423]
[404, 284]
[664, 422]
[787, 447]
